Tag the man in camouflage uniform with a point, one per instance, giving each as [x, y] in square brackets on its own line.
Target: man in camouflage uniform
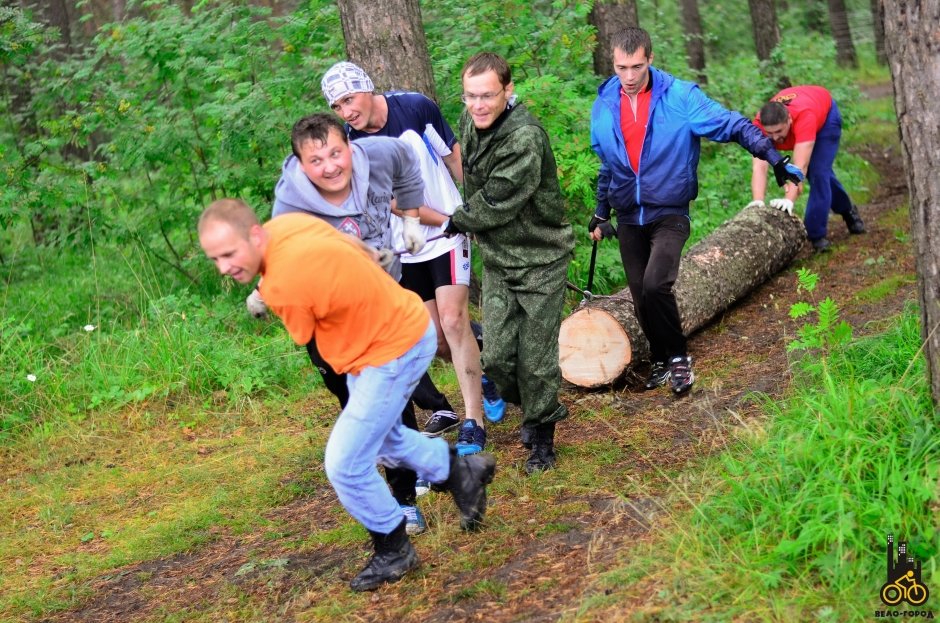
[513, 206]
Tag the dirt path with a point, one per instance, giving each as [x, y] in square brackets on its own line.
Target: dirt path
[546, 575]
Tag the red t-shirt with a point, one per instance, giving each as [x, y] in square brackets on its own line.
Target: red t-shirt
[809, 106]
[634, 127]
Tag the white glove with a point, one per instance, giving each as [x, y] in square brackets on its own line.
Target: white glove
[385, 259]
[784, 205]
[255, 304]
[412, 235]
[757, 203]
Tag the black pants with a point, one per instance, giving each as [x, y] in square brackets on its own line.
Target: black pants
[650, 255]
[426, 396]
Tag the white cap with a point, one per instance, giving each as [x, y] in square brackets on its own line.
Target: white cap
[344, 78]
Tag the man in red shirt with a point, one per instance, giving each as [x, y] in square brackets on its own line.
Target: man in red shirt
[806, 120]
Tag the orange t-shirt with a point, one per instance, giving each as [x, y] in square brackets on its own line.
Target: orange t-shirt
[322, 285]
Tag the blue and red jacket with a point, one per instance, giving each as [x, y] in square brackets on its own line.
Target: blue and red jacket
[680, 115]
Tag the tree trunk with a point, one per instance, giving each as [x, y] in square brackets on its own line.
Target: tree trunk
[694, 39]
[609, 16]
[721, 269]
[766, 37]
[387, 40]
[764, 26]
[839, 24]
[878, 26]
[913, 50]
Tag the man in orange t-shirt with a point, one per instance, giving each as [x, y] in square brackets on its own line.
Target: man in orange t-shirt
[381, 337]
[806, 120]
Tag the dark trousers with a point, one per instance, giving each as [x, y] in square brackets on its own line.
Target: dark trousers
[825, 190]
[650, 255]
[426, 396]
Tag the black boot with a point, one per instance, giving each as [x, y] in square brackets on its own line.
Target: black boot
[854, 222]
[467, 482]
[394, 557]
[543, 449]
[526, 435]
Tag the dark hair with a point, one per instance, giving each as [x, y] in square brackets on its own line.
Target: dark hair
[631, 39]
[315, 128]
[773, 113]
[487, 61]
[233, 212]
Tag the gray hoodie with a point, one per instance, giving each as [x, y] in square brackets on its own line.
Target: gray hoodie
[382, 168]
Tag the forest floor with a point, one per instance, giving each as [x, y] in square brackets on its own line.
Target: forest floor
[548, 539]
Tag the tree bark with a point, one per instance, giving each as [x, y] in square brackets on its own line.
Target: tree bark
[766, 37]
[721, 269]
[387, 40]
[878, 27]
[694, 39]
[764, 26]
[609, 16]
[839, 24]
[912, 41]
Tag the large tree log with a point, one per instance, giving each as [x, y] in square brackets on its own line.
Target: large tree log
[602, 339]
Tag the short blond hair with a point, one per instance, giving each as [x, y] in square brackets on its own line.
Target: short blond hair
[233, 212]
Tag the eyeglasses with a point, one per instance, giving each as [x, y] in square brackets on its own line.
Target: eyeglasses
[486, 98]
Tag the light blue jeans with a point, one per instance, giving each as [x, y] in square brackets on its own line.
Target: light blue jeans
[370, 431]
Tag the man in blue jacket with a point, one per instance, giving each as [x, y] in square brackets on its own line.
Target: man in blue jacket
[646, 127]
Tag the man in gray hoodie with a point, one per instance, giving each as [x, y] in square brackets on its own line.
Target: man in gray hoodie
[351, 186]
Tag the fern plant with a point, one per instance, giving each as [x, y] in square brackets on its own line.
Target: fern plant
[828, 331]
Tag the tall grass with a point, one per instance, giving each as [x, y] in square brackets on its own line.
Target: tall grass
[64, 356]
[796, 523]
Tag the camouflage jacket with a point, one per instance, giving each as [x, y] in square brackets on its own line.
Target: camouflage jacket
[512, 199]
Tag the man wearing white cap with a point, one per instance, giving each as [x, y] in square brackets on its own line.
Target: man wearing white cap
[440, 273]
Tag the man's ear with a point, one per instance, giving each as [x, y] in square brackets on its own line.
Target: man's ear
[258, 236]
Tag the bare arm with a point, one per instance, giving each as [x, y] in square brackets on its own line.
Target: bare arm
[802, 152]
[453, 163]
[759, 179]
[426, 215]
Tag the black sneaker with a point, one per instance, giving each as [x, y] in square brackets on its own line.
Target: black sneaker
[821, 245]
[854, 222]
[439, 423]
[659, 374]
[680, 374]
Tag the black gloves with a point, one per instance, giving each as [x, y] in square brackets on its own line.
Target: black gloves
[450, 230]
[595, 223]
[786, 172]
[607, 230]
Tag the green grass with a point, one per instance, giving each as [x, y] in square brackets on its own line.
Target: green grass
[791, 521]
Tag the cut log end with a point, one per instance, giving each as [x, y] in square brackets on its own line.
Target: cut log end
[593, 348]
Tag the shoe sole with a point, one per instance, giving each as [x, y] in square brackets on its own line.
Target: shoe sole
[414, 529]
[438, 433]
[468, 450]
[413, 563]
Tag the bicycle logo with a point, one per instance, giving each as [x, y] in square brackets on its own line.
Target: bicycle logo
[904, 581]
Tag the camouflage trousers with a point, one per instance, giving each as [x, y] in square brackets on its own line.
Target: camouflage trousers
[522, 310]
